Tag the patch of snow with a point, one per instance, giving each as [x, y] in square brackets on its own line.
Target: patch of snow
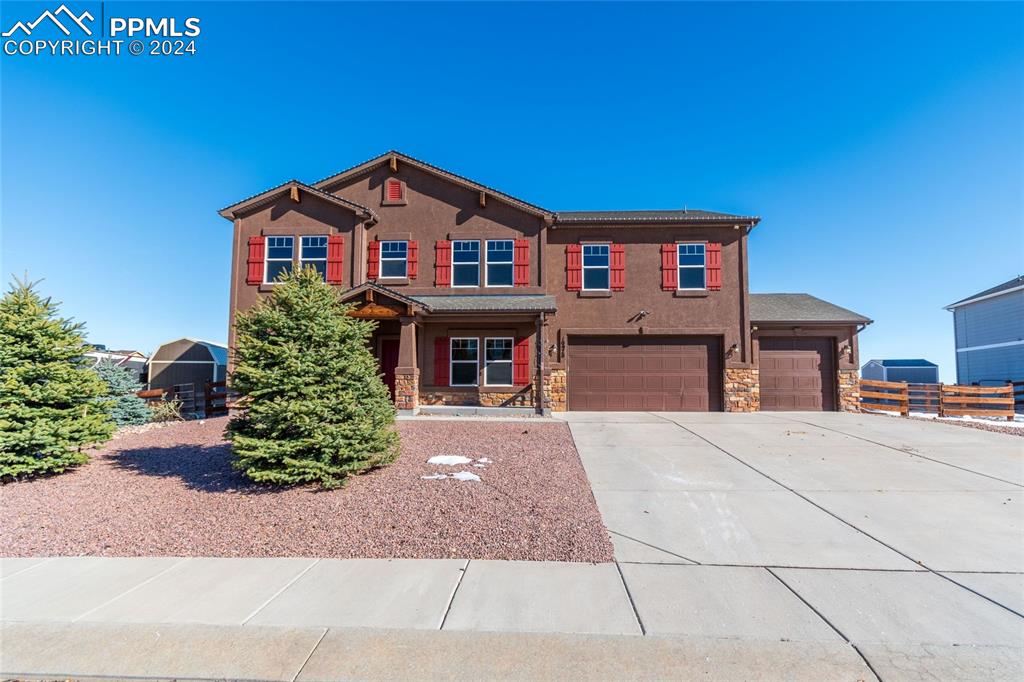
[434, 477]
[480, 466]
[484, 460]
[465, 476]
[450, 460]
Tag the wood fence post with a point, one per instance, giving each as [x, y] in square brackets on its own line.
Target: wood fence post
[942, 412]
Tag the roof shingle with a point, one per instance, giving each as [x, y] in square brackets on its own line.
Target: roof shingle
[799, 308]
[475, 304]
[662, 216]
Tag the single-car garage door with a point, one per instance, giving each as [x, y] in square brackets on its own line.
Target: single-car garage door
[639, 373]
[797, 373]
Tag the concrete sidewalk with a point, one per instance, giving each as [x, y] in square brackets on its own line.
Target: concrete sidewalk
[400, 619]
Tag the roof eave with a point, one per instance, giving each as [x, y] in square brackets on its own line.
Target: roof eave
[975, 299]
[254, 202]
[819, 323]
[440, 172]
[745, 221]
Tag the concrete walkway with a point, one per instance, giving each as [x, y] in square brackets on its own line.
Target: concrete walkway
[811, 547]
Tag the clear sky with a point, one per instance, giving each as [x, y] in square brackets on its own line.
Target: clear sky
[883, 144]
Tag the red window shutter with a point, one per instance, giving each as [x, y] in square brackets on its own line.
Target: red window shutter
[443, 264]
[713, 266]
[669, 267]
[413, 257]
[257, 246]
[335, 259]
[394, 192]
[573, 267]
[373, 260]
[441, 361]
[617, 254]
[521, 362]
[521, 263]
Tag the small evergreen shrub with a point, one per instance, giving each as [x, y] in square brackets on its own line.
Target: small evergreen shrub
[52, 404]
[317, 409]
[126, 409]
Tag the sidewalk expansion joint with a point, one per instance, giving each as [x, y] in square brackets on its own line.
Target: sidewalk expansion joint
[131, 589]
[632, 604]
[455, 590]
[279, 592]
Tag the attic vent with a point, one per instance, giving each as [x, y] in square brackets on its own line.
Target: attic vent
[394, 191]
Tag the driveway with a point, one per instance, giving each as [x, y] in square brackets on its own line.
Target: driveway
[904, 538]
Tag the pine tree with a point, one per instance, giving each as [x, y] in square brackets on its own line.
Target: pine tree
[51, 402]
[122, 385]
[317, 409]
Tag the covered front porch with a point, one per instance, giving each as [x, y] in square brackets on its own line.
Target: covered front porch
[466, 351]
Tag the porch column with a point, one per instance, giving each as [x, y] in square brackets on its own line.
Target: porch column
[540, 390]
[407, 373]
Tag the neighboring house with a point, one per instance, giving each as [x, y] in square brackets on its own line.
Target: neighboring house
[486, 299]
[912, 371]
[129, 359]
[185, 366]
[989, 331]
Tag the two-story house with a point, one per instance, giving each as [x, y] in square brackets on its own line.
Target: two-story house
[486, 299]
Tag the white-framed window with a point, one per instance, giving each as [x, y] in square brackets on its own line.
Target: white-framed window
[313, 252]
[692, 260]
[595, 267]
[466, 263]
[280, 254]
[394, 259]
[499, 262]
[498, 361]
[465, 361]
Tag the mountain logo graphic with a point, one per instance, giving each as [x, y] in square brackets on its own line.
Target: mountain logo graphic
[69, 16]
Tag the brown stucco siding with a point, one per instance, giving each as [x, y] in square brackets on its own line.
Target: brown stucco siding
[716, 313]
[309, 217]
[435, 210]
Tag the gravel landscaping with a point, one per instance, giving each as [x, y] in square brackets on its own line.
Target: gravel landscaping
[171, 491]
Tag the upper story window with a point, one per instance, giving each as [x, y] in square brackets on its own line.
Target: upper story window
[692, 260]
[465, 362]
[466, 263]
[499, 262]
[280, 254]
[498, 362]
[595, 267]
[394, 259]
[313, 253]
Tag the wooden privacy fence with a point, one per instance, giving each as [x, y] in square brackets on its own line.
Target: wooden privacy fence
[948, 400]
[216, 395]
[153, 395]
[1018, 395]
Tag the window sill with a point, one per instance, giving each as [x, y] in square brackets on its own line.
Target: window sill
[593, 293]
[690, 293]
[267, 287]
[399, 202]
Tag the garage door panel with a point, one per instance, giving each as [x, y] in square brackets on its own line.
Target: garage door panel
[797, 373]
[644, 373]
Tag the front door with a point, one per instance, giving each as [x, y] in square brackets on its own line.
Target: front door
[388, 362]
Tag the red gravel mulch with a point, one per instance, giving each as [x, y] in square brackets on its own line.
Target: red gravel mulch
[171, 491]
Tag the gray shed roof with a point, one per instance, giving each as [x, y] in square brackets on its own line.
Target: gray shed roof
[1015, 283]
[475, 304]
[653, 217]
[799, 308]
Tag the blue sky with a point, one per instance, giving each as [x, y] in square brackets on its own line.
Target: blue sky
[883, 144]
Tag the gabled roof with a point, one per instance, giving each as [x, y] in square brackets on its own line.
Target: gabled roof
[263, 198]
[799, 308]
[1004, 288]
[904, 363]
[390, 293]
[434, 170]
[668, 216]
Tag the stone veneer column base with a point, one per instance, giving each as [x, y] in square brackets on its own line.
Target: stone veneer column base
[849, 390]
[518, 397]
[554, 390]
[742, 390]
[407, 391]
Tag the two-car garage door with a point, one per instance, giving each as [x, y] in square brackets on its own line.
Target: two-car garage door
[655, 373]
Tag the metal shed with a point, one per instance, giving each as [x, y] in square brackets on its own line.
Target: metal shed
[184, 366]
[915, 371]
